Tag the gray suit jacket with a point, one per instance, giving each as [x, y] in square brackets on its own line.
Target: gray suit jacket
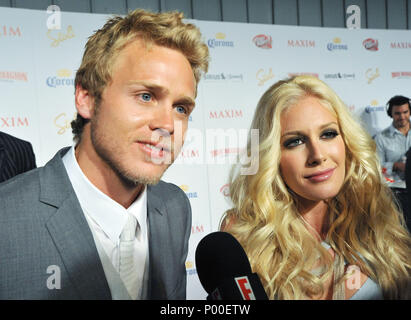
[42, 226]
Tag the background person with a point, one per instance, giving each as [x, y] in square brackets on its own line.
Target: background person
[316, 221]
[394, 141]
[16, 156]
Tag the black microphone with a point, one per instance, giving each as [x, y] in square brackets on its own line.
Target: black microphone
[224, 270]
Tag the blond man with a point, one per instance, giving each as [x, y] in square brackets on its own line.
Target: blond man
[96, 222]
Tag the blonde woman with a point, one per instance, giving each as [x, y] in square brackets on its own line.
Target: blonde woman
[316, 220]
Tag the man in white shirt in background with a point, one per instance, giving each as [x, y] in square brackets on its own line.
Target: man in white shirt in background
[392, 145]
[393, 142]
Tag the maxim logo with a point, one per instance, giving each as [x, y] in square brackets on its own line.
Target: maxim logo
[301, 43]
[197, 229]
[219, 41]
[13, 122]
[189, 153]
[400, 45]
[263, 41]
[12, 76]
[226, 114]
[7, 31]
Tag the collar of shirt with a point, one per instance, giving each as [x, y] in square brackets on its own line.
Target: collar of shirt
[109, 215]
[393, 130]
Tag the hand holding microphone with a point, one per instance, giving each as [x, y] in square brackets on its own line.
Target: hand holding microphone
[224, 270]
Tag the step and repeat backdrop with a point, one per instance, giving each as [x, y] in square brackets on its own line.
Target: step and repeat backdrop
[38, 65]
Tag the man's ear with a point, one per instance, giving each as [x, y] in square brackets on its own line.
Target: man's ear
[84, 102]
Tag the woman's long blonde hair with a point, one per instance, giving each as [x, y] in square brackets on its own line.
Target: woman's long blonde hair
[365, 224]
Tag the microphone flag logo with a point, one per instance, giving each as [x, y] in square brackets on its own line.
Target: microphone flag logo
[245, 288]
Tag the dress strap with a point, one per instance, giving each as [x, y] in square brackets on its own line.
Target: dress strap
[338, 285]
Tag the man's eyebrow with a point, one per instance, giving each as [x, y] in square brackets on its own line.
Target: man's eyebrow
[186, 100]
[148, 85]
[297, 132]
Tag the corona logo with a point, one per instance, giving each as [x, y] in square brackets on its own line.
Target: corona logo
[336, 45]
[64, 73]
[189, 194]
[219, 41]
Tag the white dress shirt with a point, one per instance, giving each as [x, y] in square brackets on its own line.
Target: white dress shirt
[107, 218]
[392, 146]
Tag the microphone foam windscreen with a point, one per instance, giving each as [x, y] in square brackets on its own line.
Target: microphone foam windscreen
[220, 256]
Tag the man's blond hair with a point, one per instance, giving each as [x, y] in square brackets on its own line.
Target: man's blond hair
[164, 29]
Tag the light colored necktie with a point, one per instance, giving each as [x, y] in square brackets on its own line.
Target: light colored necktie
[128, 270]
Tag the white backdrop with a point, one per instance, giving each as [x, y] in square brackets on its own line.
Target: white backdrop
[37, 69]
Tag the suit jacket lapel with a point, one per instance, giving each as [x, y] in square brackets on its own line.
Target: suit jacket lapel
[70, 232]
[157, 217]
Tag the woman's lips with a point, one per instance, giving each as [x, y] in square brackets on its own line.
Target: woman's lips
[321, 175]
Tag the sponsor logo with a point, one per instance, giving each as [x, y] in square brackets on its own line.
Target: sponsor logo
[62, 79]
[219, 41]
[370, 44]
[189, 194]
[197, 229]
[8, 31]
[371, 74]
[225, 151]
[401, 75]
[400, 45]
[223, 77]
[339, 75]
[63, 123]
[301, 43]
[58, 37]
[351, 107]
[13, 76]
[263, 41]
[336, 45]
[374, 107]
[225, 190]
[294, 74]
[13, 122]
[226, 114]
[244, 286]
[189, 153]
[190, 268]
[262, 76]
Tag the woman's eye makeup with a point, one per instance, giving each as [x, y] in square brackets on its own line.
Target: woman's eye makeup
[295, 141]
